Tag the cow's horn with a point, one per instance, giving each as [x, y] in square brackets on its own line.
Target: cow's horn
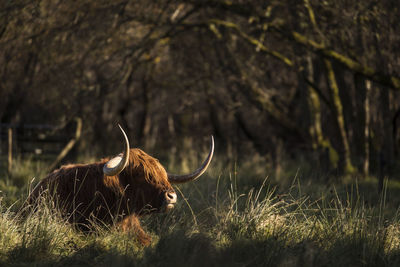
[178, 179]
[115, 165]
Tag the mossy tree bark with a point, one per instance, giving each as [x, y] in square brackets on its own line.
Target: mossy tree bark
[344, 165]
[363, 89]
[320, 142]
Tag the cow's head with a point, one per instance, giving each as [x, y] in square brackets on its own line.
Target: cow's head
[144, 180]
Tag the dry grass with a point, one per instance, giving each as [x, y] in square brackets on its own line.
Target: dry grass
[221, 220]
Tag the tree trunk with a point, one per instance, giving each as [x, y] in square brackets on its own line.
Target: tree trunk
[345, 165]
[320, 143]
[365, 165]
[363, 89]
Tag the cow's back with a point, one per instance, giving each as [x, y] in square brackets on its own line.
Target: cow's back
[79, 192]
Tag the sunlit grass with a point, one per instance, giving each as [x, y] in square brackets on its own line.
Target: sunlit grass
[221, 220]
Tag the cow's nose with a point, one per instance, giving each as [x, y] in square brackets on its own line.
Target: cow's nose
[170, 197]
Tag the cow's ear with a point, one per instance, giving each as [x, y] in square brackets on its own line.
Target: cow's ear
[116, 165]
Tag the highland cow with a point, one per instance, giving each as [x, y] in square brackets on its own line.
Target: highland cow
[115, 191]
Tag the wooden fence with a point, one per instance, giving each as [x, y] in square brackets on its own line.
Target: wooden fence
[37, 142]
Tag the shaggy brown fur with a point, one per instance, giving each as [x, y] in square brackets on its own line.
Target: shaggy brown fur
[85, 194]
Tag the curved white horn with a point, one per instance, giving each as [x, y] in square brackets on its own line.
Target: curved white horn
[116, 165]
[178, 179]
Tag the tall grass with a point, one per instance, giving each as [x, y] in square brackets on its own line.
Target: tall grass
[220, 220]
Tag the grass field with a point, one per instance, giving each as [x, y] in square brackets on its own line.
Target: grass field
[233, 216]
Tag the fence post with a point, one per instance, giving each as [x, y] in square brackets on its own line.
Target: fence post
[70, 144]
[10, 133]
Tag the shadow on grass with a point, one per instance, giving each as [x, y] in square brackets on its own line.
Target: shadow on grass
[199, 249]
[91, 255]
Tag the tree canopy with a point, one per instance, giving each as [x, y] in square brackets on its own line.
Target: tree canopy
[315, 79]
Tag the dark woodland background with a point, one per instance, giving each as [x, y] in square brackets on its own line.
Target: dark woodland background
[313, 82]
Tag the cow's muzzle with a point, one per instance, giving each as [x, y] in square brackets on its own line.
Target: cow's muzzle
[169, 200]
